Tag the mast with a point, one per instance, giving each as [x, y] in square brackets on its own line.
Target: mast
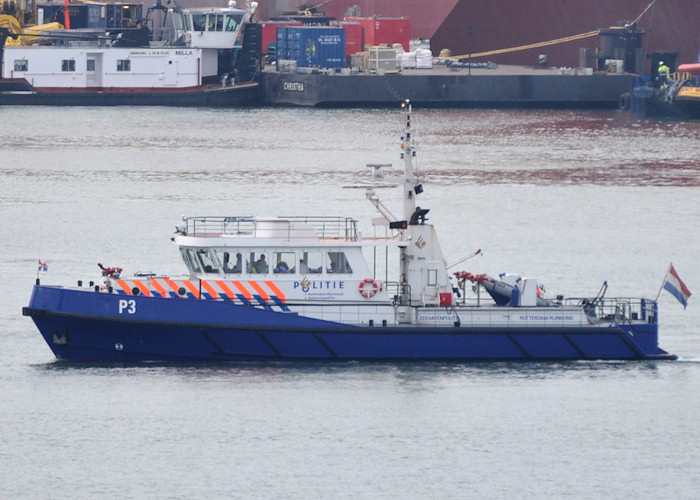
[408, 154]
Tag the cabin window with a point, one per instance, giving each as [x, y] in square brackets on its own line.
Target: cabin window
[199, 22]
[182, 22]
[68, 65]
[338, 263]
[209, 265]
[218, 22]
[123, 64]
[257, 263]
[311, 263]
[232, 261]
[283, 262]
[90, 65]
[191, 261]
[231, 23]
[21, 65]
[178, 22]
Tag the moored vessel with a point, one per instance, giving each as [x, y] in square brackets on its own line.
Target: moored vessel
[667, 96]
[198, 57]
[316, 288]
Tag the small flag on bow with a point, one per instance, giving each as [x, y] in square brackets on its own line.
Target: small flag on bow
[43, 266]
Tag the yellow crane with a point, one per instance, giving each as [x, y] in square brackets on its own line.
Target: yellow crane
[19, 18]
[310, 10]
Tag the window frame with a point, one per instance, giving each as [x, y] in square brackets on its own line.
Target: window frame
[123, 65]
[340, 261]
[284, 262]
[24, 65]
[68, 65]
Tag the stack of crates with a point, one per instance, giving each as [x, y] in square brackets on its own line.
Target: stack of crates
[382, 59]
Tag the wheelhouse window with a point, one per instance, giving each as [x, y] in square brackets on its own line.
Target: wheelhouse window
[217, 21]
[199, 22]
[191, 260]
[209, 264]
[257, 263]
[311, 263]
[232, 22]
[338, 263]
[68, 65]
[182, 21]
[178, 21]
[232, 261]
[123, 64]
[283, 262]
[21, 65]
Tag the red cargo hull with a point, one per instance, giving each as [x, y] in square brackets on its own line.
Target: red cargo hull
[669, 25]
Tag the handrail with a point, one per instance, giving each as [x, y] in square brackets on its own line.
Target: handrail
[286, 227]
[620, 309]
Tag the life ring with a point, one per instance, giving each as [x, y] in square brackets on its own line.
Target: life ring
[368, 288]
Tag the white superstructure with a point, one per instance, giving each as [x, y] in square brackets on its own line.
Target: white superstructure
[186, 56]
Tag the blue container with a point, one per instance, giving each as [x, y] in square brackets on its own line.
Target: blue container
[312, 46]
[94, 16]
[122, 15]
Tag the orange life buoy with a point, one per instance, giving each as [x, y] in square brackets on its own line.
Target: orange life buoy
[368, 288]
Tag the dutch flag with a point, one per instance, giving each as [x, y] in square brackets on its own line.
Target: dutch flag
[43, 266]
[675, 286]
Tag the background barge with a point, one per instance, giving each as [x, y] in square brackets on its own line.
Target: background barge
[505, 87]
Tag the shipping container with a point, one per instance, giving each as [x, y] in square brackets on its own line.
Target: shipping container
[385, 30]
[269, 31]
[354, 37]
[93, 15]
[81, 16]
[311, 46]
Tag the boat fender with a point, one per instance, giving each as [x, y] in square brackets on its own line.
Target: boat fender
[368, 288]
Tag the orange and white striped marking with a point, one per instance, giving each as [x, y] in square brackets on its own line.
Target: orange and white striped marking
[245, 292]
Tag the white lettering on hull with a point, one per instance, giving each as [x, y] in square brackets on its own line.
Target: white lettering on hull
[437, 318]
[558, 318]
[294, 86]
[128, 306]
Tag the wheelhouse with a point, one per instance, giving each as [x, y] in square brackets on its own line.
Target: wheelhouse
[209, 28]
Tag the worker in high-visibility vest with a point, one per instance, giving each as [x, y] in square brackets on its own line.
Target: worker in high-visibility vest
[664, 75]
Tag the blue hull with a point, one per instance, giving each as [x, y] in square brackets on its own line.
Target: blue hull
[92, 326]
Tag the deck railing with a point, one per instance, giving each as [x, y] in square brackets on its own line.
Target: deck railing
[619, 309]
[325, 227]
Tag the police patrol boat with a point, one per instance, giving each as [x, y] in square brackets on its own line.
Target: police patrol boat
[316, 289]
